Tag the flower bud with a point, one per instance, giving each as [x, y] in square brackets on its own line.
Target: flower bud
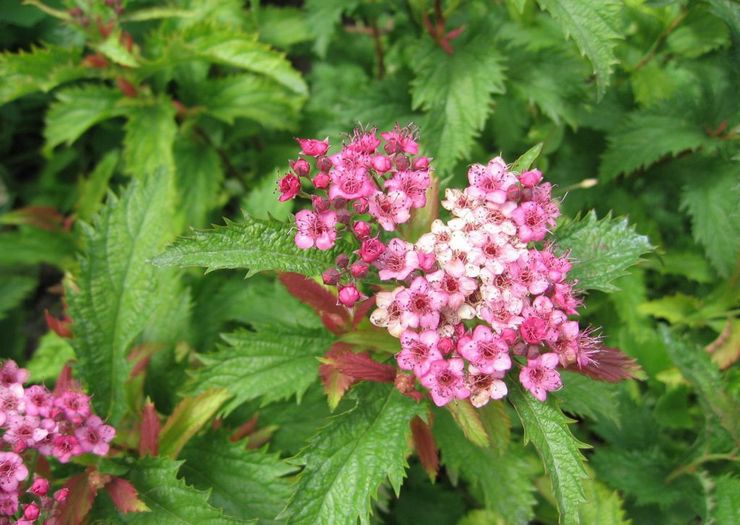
[321, 180]
[344, 216]
[371, 249]
[342, 260]
[349, 295]
[361, 229]
[339, 203]
[361, 205]
[32, 512]
[313, 147]
[320, 204]
[526, 194]
[421, 163]
[445, 345]
[514, 193]
[324, 164]
[289, 187]
[301, 167]
[531, 178]
[402, 162]
[359, 270]
[330, 276]
[381, 163]
[39, 487]
[61, 495]
[426, 260]
[392, 147]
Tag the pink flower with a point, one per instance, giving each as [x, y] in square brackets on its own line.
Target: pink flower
[289, 187]
[390, 208]
[533, 330]
[12, 400]
[539, 376]
[94, 436]
[75, 405]
[532, 220]
[531, 178]
[65, 447]
[388, 312]
[40, 487]
[400, 140]
[315, 229]
[364, 141]
[485, 350]
[371, 249]
[484, 387]
[445, 380]
[413, 184]
[24, 431]
[12, 471]
[39, 401]
[490, 182]
[351, 183]
[397, 261]
[456, 288]
[349, 295]
[529, 276]
[313, 147]
[418, 350]
[10, 373]
[421, 304]
[9, 504]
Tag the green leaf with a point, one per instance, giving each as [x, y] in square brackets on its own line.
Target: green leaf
[190, 415]
[547, 428]
[456, 92]
[253, 244]
[116, 51]
[466, 417]
[247, 484]
[41, 69]
[76, 110]
[696, 366]
[350, 457]
[250, 96]
[602, 507]
[645, 138]
[171, 501]
[150, 134]
[505, 480]
[27, 246]
[283, 27]
[587, 397]
[601, 250]
[711, 200]
[727, 500]
[322, 17]
[699, 33]
[271, 363]
[13, 290]
[524, 162]
[592, 26]
[261, 203]
[115, 291]
[198, 176]
[49, 358]
[92, 189]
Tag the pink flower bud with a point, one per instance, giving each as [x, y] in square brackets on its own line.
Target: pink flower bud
[61, 495]
[324, 164]
[301, 167]
[514, 193]
[313, 147]
[445, 345]
[362, 229]
[359, 270]
[321, 180]
[361, 205]
[509, 336]
[342, 260]
[426, 260]
[349, 295]
[344, 216]
[330, 276]
[40, 487]
[32, 512]
[421, 163]
[402, 162]
[289, 187]
[381, 163]
[533, 330]
[371, 249]
[320, 204]
[530, 178]
[339, 203]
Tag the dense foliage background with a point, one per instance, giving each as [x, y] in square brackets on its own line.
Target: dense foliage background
[636, 105]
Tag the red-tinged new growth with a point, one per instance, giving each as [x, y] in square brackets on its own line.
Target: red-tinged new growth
[57, 424]
[478, 295]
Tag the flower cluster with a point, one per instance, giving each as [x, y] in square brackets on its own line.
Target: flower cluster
[478, 295]
[55, 424]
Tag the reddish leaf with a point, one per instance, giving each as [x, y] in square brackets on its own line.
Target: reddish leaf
[124, 496]
[141, 355]
[334, 323]
[62, 326]
[425, 446]
[335, 382]
[244, 429]
[341, 368]
[362, 309]
[43, 217]
[66, 382]
[149, 431]
[609, 364]
[82, 491]
[316, 296]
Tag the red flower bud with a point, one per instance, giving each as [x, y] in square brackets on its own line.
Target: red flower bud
[289, 187]
[301, 167]
[361, 229]
[359, 270]
[371, 249]
[330, 276]
[321, 180]
[349, 295]
[313, 147]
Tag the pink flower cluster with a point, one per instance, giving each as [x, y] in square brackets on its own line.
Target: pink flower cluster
[55, 424]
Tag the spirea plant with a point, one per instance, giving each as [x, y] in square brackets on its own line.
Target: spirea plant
[494, 280]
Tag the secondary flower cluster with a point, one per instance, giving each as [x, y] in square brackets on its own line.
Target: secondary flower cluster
[478, 295]
[55, 424]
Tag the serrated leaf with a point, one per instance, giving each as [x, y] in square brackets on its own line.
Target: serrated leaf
[504, 480]
[150, 134]
[525, 161]
[253, 244]
[726, 500]
[352, 455]
[592, 26]
[546, 428]
[92, 189]
[322, 17]
[261, 203]
[271, 363]
[198, 176]
[52, 353]
[645, 138]
[696, 366]
[283, 26]
[28, 246]
[247, 484]
[602, 507]
[115, 291]
[584, 396]
[699, 33]
[41, 69]
[456, 92]
[169, 498]
[76, 110]
[711, 200]
[466, 417]
[601, 250]
[189, 416]
[113, 48]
